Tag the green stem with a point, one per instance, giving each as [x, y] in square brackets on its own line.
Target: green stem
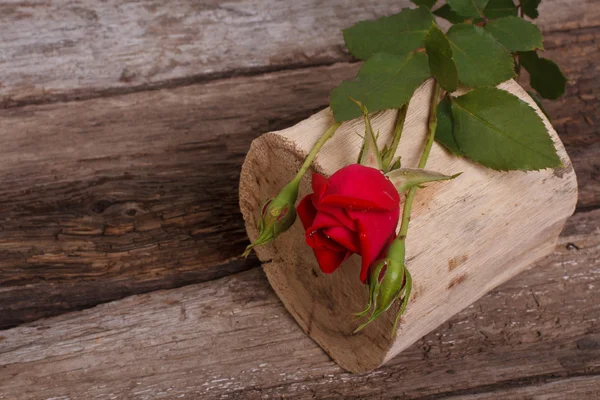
[396, 139]
[314, 151]
[430, 137]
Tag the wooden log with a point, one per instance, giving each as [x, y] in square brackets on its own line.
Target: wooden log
[64, 50]
[467, 236]
[107, 197]
[232, 338]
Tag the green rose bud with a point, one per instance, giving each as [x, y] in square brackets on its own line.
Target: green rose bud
[389, 281]
[277, 216]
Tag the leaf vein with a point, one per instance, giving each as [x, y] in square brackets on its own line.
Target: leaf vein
[506, 134]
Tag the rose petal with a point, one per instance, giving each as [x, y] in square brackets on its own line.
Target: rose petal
[317, 239]
[329, 261]
[375, 231]
[345, 237]
[319, 185]
[306, 211]
[360, 187]
[335, 212]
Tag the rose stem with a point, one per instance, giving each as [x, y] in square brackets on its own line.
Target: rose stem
[397, 248]
[397, 134]
[313, 152]
[430, 137]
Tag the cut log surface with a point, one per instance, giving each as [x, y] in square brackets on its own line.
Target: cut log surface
[467, 236]
[231, 338]
[107, 197]
[66, 49]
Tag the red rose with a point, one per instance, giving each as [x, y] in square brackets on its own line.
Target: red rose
[354, 211]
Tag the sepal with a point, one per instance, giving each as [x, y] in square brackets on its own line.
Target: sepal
[406, 178]
[277, 216]
[389, 281]
[369, 155]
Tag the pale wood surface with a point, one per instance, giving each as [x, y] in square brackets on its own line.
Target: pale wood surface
[467, 235]
[63, 49]
[100, 224]
[232, 338]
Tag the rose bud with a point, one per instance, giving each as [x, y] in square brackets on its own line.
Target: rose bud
[389, 281]
[277, 216]
[354, 211]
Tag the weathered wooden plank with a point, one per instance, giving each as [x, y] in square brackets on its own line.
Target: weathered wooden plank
[107, 197]
[66, 49]
[576, 116]
[547, 389]
[231, 338]
[114, 196]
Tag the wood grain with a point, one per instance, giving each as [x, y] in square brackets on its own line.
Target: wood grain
[583, 387]
[232, 338]
[576, 116]
[108, 197]
[101, 194]
[65, 50]
[467, 236]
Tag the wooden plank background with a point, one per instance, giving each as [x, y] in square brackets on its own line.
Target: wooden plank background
[232, 338]
[123, 125]
[107, 197]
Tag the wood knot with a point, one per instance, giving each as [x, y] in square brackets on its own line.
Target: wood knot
[101, 205]
[457, 281]
[455, 262]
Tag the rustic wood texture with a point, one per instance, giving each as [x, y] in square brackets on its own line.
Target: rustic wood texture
[66, 49]
[536, 334]
[552, 389]
[107, 197]
[467, 235]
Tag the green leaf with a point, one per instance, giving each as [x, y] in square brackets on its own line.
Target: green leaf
[443, 133]
[468, 8]
[446, 12]
[515, 33]
[500, 8]
[384, 81]
[397, 34]
[530, 8]
[369, 153]
[441, 64]
[426, 3]
[498, 130]
[480, 59]
[406, 178]
[544, 75]
[538, 101]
